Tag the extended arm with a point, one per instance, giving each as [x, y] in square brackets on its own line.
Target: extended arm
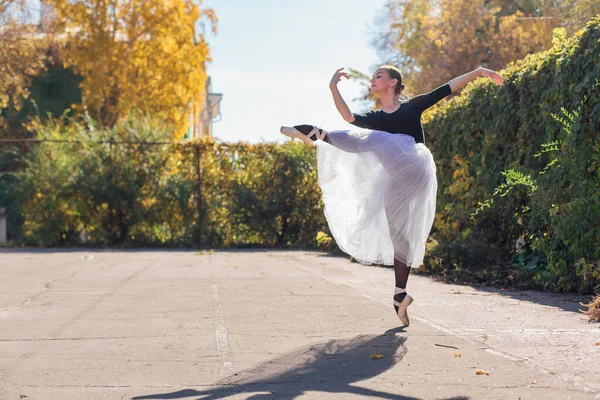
[426, 100]
[340, 104]
[461, 81]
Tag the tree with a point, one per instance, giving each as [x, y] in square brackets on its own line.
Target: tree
[23, 55]
[432, 41]
[137, 55]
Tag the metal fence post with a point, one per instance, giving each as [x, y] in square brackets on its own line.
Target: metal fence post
[3, 235]
[199, 202]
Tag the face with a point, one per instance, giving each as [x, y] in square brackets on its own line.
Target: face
[381, 81]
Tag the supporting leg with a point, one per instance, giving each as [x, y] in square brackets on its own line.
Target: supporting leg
[401, 271]
[401, 299]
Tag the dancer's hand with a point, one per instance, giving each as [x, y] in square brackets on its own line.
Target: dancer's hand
[338, 77]
[493, 75]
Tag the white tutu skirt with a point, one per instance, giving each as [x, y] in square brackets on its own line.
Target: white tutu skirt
[379, 191]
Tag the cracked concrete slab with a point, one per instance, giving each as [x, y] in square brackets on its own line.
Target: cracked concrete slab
[83, 324]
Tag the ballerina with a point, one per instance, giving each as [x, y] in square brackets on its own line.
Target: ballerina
[379, 185]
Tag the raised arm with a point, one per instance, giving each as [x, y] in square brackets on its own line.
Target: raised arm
[426, 100]
[340, 104]
[423, 101]
[461, 81]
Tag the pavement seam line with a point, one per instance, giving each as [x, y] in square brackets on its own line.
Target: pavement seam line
[221, 337]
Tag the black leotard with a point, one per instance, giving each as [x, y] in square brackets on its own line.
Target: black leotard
[407, 119]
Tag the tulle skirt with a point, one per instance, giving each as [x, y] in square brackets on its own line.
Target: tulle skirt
[379, 191]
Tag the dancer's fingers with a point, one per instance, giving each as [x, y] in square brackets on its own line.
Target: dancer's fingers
[494, 76]
[338, 73]
[337, 76]
[498, 79]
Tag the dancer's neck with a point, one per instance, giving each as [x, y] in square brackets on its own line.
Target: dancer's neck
[390, 103]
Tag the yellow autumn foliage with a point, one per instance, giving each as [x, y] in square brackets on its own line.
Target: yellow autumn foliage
[21, 57]
[433, 41]
[137, 55]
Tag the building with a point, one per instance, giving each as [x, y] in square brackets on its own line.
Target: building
[201, 121]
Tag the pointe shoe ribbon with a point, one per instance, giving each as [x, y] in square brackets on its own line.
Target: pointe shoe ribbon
[318, 133]
[306, 138]
[402, 306]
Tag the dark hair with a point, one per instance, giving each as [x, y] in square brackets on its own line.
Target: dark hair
[394, 73]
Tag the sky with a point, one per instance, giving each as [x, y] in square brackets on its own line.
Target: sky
[273, 60]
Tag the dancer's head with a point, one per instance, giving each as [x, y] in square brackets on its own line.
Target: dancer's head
[387, 79]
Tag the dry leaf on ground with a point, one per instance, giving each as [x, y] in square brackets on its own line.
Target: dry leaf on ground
[375, 355]
[481, 372]
[593, 311]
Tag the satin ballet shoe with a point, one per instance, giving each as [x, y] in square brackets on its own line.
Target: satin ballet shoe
[306, 133]
[402, 306]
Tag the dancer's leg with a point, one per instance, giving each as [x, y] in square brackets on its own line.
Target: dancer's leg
[401, 272]
[343, 140]
[401, 299]
[306, 133]
[349, 143]
[306, 129]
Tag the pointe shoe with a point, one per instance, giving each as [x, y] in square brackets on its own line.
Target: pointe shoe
[312, 133]
[402, 306]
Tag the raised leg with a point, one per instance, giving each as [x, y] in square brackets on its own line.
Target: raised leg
[306, 133]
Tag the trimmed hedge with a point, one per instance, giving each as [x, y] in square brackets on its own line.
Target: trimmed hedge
[97, 190]
[519, 168]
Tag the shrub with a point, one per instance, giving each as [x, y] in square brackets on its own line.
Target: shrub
[520, 164]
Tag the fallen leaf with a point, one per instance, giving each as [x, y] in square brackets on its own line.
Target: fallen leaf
[597, 343]
[457, 354]
[481, 372]
[375, 355]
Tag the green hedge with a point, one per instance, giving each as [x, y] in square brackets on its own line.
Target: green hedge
[518, 171]
[519, 168]
[97, 190]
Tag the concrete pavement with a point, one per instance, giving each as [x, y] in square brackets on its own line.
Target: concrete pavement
[275, 324]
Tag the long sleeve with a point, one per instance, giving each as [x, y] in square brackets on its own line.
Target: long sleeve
[426, 100]
[363, 120]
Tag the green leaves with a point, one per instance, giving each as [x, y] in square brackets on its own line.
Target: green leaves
[101, 189]
[533, 173]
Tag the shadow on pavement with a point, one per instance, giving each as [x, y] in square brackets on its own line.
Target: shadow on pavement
[565, 301]
[330, 367]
